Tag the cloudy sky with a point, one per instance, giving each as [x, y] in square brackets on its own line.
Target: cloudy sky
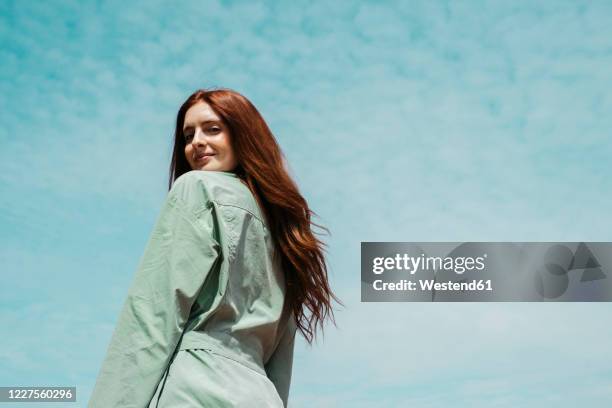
[407, 121]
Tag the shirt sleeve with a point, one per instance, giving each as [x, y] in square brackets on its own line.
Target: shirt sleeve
[279, 366]
[180, 253]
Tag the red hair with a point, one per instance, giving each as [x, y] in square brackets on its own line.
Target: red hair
[261, 164]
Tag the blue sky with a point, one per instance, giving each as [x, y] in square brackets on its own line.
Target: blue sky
[408, 121]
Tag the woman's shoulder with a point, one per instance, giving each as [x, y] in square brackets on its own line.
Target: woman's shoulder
[203, 178]
[198, 187]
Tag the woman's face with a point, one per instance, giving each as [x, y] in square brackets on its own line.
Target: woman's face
[207, 140]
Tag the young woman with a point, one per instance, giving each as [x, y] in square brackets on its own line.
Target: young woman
[227, 276]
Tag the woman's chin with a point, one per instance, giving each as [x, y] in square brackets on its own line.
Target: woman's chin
[207, 166]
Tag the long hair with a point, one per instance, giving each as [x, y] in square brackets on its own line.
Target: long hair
[261, 164]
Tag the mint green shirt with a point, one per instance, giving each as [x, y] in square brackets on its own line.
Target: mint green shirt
[205, 322]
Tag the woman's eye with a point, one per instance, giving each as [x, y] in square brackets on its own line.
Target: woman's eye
[214, 129]
[187, 137]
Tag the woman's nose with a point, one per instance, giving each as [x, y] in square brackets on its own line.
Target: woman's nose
[198, 138]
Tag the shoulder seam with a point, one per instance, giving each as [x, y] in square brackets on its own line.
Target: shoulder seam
[243, 209]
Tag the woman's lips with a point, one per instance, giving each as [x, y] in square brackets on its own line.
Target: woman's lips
[204, 157]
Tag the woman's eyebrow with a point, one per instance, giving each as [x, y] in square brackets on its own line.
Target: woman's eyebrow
[204, 122]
